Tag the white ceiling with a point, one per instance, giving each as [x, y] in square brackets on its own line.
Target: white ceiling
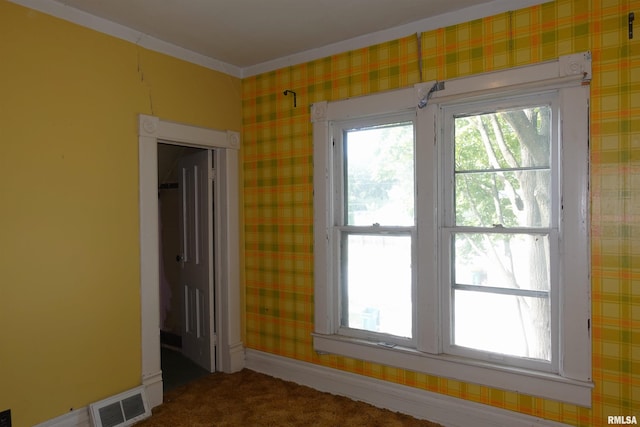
[246, 37]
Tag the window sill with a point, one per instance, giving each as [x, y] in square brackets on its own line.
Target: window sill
[541, 384]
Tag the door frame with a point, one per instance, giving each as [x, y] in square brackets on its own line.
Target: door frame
[229, 347]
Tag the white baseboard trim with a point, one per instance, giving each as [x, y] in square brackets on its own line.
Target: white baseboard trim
[237, 357]
[76, 418]
[153, 388]
[80, 417]
[422, 404]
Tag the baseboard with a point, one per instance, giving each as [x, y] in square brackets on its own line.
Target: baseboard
[237, 357]
[81, 418]
[445, 410]
[76, 418]
[422, 404]
[153, 388]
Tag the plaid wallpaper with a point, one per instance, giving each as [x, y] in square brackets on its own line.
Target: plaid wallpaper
[278, 191]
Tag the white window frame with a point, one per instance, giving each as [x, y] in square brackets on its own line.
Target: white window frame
[340, 228]
[571, 381]
[447, 226]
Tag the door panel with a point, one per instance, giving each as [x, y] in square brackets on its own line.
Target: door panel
[196, 219]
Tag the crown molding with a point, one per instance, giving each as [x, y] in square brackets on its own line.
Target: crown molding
[101, 25]
[444, 20]
[67, 13]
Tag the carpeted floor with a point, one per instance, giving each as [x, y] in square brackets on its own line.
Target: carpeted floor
[248, 398]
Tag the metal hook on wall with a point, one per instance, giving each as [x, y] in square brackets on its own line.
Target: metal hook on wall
[286, 92]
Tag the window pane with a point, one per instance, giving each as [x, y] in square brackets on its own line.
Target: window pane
[377, 283]
[379, 176]
[505, 324]
[502, 168]
[511, 199]
[518, 261]
[517, 138]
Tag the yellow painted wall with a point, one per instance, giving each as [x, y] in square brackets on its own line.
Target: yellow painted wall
[69, 250]
[278, 211]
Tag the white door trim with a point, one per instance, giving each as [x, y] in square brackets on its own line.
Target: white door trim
[229, 348]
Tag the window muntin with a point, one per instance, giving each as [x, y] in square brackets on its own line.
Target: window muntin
[375, 212]
[502, 231]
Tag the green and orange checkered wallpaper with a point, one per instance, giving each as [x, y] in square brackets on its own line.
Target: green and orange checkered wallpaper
[277, 157]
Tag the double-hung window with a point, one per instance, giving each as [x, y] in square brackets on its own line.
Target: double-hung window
[499, 233]
[451, 229]
[374, 228]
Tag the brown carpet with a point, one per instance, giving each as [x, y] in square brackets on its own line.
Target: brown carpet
[248, 398]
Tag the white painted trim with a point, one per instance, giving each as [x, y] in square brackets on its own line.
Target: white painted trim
[237, 358]
[520, 380]
[229, 348]
[76, 418]
[323, 303]
[422, 404]
[62, 11]
[389, 102]
[575, 245]
[149, 259]
[153, 386]
[568, 70]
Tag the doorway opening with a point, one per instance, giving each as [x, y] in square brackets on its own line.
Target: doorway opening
[177, 365]
[229, 349]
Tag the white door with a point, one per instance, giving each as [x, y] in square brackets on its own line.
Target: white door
[196, 258]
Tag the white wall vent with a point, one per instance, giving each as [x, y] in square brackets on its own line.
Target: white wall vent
[121, 410]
